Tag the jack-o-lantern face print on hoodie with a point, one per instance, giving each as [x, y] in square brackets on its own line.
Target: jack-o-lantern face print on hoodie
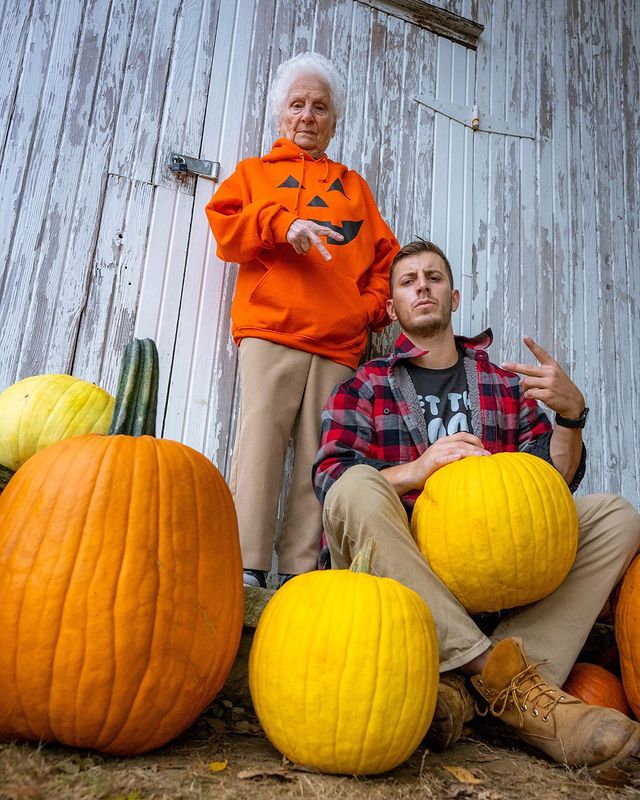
[348, 228]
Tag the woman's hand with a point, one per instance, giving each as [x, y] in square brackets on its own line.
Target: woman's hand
[303, 234]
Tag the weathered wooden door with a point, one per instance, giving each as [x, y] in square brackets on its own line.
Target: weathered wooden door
[417, 163]
[93, 225]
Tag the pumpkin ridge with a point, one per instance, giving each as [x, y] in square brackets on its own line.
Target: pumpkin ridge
[560, 511]
[197, 505]
[28, 490]
[104, 455]
[70, 389]
[112, 708]
[347, 647]
[133, 699]
[378, 624]
[479, 558]
[400, 600]
[528, 553]
[70, 532]
[541, 480]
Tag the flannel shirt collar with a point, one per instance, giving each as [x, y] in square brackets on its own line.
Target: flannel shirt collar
[475, 347]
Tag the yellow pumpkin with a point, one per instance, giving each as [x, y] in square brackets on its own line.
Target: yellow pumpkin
[44, 409]
[343, 671]
[500, 531]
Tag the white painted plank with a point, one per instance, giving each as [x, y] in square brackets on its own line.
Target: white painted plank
[529, 256]
[162, 280]
[108, 323]
[441, 148]
[628, 22]
[14, 33]
[481, 176]
[69, 227]
[144, 90]
[186, 91]
[25, 193]
[508, 281]
[200, 404]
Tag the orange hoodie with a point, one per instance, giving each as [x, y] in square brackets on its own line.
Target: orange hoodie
[303, 301]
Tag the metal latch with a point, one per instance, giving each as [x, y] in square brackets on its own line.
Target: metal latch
[182, 166]
[472, 118]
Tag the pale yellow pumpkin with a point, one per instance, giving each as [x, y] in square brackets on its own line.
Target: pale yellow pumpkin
[343, 671]
[43, 409]
[500, 531]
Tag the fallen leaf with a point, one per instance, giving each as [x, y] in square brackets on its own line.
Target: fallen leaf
[275, 772]
[461, 774]
[218, 766]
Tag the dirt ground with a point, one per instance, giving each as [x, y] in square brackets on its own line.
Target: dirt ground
[225, 755]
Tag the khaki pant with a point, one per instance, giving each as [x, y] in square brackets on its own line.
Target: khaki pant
[282, 392]
[362, 504]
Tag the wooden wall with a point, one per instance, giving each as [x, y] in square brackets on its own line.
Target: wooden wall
[97, 238]
[556, 220]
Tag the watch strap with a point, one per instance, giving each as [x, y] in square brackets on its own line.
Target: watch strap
[566, 422]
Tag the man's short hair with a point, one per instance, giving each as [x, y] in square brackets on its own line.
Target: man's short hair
[416, 247]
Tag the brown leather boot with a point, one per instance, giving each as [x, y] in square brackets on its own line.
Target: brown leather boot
[454, 707]
[566, 729]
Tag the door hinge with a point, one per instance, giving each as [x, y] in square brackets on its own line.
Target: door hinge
[471, 117]
[182, 166]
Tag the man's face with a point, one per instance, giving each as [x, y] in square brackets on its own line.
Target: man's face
[308, 118]
[422, 298]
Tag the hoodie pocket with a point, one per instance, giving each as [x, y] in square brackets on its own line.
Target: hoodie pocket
[310, 301]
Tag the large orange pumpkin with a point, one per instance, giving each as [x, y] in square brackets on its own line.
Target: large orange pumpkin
[121, 586]
[627, 625]
[597, 686]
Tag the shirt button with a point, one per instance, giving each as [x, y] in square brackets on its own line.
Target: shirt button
[386, 411]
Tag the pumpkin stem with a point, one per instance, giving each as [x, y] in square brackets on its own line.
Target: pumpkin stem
[362, 559]
[136, 403]
[5, 476]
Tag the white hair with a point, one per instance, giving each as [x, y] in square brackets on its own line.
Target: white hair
[305, 64]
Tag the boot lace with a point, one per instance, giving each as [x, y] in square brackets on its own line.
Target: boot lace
[526, 688]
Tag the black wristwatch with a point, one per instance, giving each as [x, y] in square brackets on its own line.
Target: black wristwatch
[563, 422]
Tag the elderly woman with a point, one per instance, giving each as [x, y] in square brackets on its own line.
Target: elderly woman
[314, 256]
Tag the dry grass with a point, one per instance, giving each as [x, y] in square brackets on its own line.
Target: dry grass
[182, 771]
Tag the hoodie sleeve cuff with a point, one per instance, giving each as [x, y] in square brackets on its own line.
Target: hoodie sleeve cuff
[280, 226]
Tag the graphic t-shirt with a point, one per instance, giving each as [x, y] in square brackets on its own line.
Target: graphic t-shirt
[444, 398]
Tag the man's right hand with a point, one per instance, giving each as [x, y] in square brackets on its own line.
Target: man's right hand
[405, 477]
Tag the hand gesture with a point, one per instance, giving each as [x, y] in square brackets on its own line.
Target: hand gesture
[548, 382]
[303, 234]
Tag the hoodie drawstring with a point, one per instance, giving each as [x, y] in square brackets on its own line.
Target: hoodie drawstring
[325, 177]
[300, 182]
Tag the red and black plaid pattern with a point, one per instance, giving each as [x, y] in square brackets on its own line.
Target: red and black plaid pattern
[368, 419]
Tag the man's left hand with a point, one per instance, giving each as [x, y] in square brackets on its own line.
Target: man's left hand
[548, 382]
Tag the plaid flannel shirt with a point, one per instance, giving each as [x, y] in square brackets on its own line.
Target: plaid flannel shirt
[374, 417]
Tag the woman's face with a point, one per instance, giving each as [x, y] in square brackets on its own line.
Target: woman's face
[308, 119]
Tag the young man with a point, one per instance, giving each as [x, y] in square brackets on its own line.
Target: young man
[438, 399]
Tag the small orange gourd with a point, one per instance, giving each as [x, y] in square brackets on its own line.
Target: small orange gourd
[121, 580]
[597, 686]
